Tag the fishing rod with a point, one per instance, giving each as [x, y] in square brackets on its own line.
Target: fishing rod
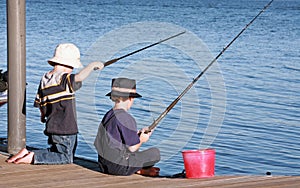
[163, 114]
[136, 51]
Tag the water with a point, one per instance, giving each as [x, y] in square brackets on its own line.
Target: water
[246, 106]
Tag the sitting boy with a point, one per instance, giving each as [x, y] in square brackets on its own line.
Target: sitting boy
[118, 140]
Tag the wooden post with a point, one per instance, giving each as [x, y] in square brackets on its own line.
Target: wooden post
[16, 57]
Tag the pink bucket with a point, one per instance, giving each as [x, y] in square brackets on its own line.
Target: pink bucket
[199, 163]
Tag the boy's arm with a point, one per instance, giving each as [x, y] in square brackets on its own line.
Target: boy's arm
[43, 117]
[85, 72]
[135, 147]
[144, 137]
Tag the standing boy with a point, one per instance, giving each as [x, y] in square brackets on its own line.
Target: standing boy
[56, 101]
[118, 140]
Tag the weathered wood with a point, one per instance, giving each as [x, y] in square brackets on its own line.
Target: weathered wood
[84, 173]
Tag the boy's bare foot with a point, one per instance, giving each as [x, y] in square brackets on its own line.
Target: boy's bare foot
[152, 171]
[20, 154]
[27, 159]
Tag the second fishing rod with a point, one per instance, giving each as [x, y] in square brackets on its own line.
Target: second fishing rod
[164, 113]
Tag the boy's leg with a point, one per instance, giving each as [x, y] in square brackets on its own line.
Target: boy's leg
[61, 151]
[147, 158]
[143, 162]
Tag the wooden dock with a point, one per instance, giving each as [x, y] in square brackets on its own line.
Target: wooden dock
[84, 173]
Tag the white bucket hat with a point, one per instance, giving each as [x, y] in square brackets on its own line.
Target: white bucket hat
[66, 54]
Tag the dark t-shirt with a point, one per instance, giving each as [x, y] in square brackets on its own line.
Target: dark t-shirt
[56, 98]
[121, 128]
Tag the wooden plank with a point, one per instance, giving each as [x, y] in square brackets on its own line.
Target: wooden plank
[84, 173]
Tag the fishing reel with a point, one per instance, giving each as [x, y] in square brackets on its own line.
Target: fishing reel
[3, 81]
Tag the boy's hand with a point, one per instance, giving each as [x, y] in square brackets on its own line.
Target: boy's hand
[98, 65]
[43, 119]
[145, 130]
[144, 134]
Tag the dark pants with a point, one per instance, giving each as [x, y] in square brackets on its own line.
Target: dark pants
[135, 161]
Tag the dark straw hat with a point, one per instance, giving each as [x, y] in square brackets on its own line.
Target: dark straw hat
[123, 87]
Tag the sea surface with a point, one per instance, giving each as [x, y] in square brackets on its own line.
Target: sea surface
[246, 106]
